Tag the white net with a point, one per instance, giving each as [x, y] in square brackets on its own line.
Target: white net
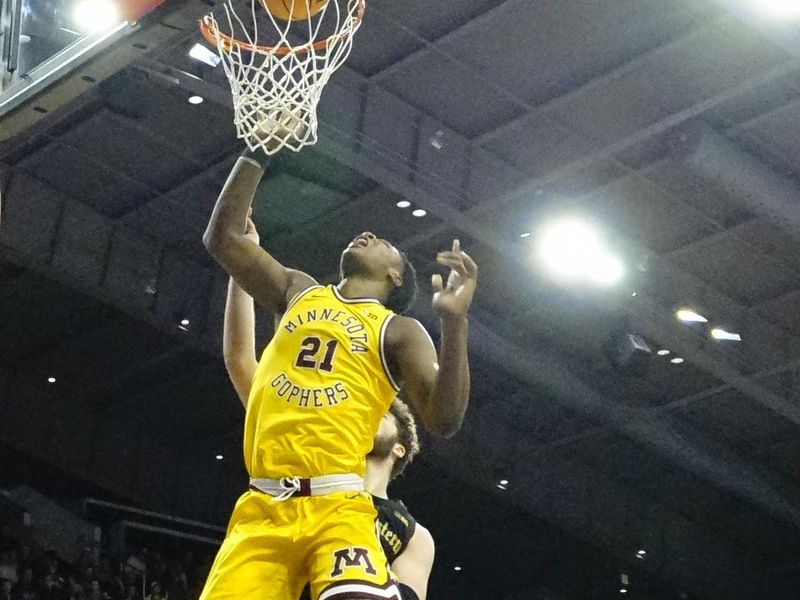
[277, 69]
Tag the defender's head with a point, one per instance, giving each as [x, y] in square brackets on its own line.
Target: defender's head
[375, 258]
[397, 437]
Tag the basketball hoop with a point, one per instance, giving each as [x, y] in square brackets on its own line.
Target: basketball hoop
[277, 77]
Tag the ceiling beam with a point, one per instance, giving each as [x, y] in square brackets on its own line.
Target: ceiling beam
[431, 46]
[618, 72]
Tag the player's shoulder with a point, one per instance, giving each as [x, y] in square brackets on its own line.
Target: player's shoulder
[422, 538]
[300, 280]
[403, 329]
[300, 283]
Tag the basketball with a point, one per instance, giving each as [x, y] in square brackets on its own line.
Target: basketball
[298, 9]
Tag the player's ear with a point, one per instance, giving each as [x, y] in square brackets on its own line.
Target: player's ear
[399, 451]
[395, 276]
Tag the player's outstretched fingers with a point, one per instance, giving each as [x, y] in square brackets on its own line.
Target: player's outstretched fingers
[453, 261]
[436, 283]
[472, 267]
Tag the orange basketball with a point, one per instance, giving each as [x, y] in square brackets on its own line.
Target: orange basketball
[298, 9]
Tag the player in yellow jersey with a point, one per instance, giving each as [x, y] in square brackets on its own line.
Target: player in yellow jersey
[408, 546]
[333, 367]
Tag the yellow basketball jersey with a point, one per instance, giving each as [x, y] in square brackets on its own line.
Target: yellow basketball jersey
[320, 389]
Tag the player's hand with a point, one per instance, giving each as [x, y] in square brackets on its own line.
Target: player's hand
[250, 231]
[452, 301]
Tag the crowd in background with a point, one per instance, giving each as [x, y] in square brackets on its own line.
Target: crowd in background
[28, 572]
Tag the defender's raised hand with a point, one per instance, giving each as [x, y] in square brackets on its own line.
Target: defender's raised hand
[250, 231]
[452, 301]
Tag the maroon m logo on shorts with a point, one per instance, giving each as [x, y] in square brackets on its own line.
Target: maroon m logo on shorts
[351, 557]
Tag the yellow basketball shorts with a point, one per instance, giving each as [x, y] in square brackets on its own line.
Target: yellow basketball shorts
[272, 549]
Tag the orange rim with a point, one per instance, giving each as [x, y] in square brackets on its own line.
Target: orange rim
[226, 42]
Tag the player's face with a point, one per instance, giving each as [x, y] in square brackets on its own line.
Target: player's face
[386, 437]
[367, 252]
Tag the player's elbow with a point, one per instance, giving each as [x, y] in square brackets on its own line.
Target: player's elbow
[213, 239]
[220, 241]
[446, 427]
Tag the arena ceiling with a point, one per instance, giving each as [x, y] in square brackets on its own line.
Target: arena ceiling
[673, 125]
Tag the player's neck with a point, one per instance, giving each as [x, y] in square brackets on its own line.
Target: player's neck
[356, 286]
[378, 475]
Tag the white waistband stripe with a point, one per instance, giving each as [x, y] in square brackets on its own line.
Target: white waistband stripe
[286, 487]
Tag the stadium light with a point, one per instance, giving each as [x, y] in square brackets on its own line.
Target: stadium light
[204, 55]
[687, 315]
[95, 15]
[722, 335]
[572, 251]
[780, 8]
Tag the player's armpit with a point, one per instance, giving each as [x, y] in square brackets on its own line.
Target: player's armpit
[413, 567]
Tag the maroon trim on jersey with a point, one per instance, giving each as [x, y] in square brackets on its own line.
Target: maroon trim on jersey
[299, 295]
[355, 588]
[384, 362]
[341, 298]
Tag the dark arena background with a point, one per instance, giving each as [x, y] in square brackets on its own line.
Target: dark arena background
[626, 174]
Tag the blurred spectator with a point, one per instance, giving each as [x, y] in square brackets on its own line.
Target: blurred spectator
[95, 592]
[52, 584]
[178, 586]
[74, 589]
[104, 570]
[8, 564]
[29, 573]
[155, 592]
[116, 587]
[25, 588]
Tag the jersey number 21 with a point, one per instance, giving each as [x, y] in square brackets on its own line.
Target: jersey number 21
[309, 349]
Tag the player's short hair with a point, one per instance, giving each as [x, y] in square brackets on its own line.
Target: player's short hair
[406, 435]
[401, 298]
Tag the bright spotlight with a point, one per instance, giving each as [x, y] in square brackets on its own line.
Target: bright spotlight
[565, 246]
[571, 250]
[721, 334]
[606, 269]
[689, 316]
[780, 8]
[95, 15]
[204, 55]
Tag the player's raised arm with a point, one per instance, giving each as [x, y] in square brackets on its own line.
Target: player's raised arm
[255, 270]
[413, 567]
[238, 333]
[438, 386]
